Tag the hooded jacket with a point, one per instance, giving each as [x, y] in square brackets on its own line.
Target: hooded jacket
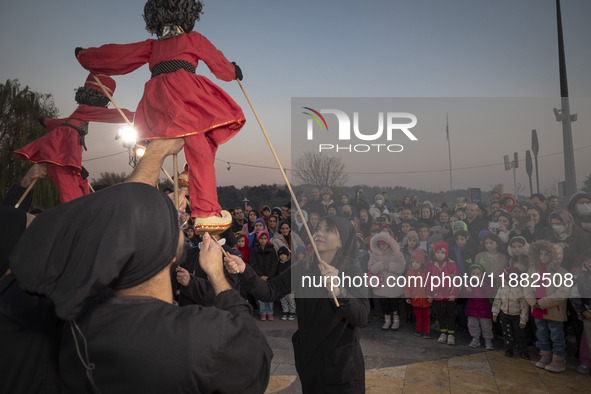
[389, 263]
[555, 299]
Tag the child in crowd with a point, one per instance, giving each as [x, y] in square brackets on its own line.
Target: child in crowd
[386, 261]
[263, 260]
[581, 300]
[462, 251]
[444, 296]
[242, 246]
[518, 249]
[478, 290]
[405, 227]
[512, 311]
[548, 304]
[492, 258]
[412, 240]
[416, 293]
[300, 253]
[423, 232]
[288, 306]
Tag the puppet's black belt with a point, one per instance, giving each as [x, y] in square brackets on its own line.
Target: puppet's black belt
[171, 66]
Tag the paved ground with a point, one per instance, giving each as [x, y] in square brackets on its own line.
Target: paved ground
[398, 362]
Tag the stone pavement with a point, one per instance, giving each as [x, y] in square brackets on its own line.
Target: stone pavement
[398, 362]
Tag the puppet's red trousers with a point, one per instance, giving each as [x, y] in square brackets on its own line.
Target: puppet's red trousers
[68, 181]
[200, 150]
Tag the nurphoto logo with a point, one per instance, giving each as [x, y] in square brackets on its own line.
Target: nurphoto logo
[396, 124]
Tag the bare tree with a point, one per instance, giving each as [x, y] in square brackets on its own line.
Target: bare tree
[320, 170]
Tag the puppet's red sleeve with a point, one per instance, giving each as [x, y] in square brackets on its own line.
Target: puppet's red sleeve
[116, 59]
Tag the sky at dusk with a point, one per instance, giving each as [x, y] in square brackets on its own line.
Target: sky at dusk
[491, 66]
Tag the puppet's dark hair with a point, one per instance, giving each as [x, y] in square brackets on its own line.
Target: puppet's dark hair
[89, 96]
[184, 13]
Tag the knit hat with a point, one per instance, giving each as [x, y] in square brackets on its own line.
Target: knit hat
[108, 83]
[418, 255]
[300, 249]
[483, 234]
[283, 250]
[441, 245]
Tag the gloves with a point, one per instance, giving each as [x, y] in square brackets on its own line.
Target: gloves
[41, 121]
[77, 51]
[237, 71]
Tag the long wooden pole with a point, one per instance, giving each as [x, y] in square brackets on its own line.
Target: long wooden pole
[20, 200]
[286, 182]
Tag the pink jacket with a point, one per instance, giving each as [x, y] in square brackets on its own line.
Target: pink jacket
[386, 264]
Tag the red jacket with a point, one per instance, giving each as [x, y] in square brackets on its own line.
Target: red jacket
[441, 289]
[416, 289]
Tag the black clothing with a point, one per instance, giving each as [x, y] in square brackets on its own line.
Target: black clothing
[29, 338]
[14, 194]
[326, 345]
[29, 329]
[13, 223]
[264, 261]
[144, 345]
[118, 237]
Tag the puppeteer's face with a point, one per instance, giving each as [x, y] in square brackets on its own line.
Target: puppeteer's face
[326, 239]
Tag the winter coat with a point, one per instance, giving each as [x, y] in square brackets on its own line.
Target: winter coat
[478, 304]
[279, 240]
[386, 264]
[416, 289]
[510, 300]
[443, 290]
[264, 261]
[493, 263]
[581, 292]
[555, 300]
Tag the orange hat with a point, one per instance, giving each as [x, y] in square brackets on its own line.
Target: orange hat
[108, 83]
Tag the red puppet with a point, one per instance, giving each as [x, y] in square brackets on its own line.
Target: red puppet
[176, 102]
[61, 148]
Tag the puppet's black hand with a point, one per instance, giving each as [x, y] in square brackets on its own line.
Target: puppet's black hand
[41, 121]
[84, 173]
[77, 51]
[237, 71]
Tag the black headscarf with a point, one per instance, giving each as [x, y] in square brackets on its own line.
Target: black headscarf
[13, 223]
[348, 251]
[116, 238]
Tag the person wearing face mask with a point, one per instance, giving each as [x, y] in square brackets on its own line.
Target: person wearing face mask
[378, 208]
[572, 238]
[579, 206]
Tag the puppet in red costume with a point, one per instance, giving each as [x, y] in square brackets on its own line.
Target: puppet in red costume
[176, 102]
[61, 148]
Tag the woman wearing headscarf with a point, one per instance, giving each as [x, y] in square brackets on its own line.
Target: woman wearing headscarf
[286, 237]
[91, 259]
[572, 238]
[326, 345]
[579, 206]
[537, 227]
[29, 330]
